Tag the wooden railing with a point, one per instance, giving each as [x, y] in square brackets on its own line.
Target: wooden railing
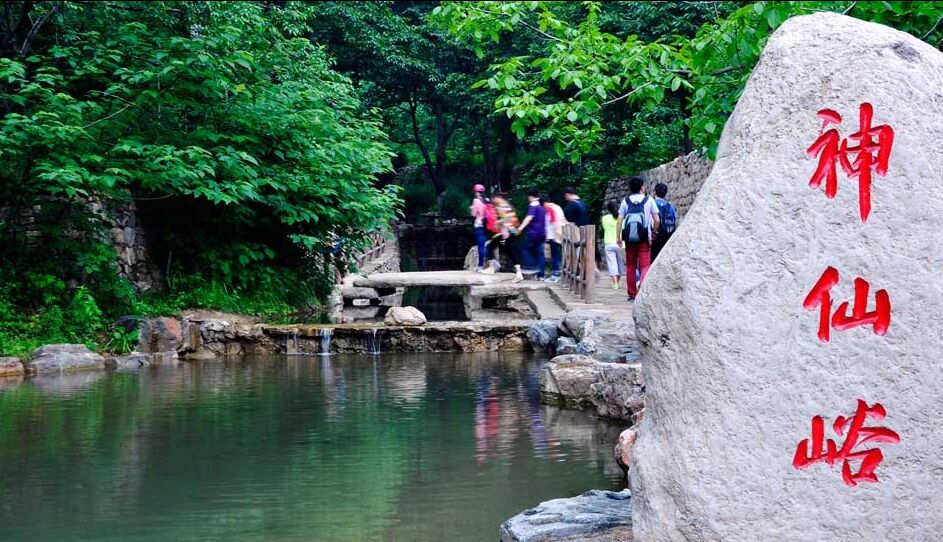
[378, 241]
[579, 260]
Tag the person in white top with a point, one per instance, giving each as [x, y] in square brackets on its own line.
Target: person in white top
[638, 224]
[555, 222]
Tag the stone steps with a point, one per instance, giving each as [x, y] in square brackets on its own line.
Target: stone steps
[544, 304]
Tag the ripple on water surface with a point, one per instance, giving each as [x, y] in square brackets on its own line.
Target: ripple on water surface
[394, 447]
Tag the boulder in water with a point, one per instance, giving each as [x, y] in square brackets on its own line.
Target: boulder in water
[623, 448]
[10, 367]
[593, 516]
[566, 345]
[543, 335]
[566, 380]
[56, 358]
[744, 395]
[161, 334]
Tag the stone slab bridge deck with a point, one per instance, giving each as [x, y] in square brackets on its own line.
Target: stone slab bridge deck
[547, 301]
[417, 279]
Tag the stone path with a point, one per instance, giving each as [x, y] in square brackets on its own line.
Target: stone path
[612, 301]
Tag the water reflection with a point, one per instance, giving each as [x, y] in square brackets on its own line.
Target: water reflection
[417, 447]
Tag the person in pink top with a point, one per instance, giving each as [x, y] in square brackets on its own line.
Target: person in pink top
[478, 213]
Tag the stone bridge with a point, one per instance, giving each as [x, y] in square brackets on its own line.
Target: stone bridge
[485, 297]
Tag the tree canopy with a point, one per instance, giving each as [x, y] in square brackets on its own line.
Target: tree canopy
[589, 62]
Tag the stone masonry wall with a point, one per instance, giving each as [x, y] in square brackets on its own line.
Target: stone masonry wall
[683, 175]
[127, 236]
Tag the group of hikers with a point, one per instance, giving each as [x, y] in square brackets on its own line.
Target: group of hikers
[634, 231]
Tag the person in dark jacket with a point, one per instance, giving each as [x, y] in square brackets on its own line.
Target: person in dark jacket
[669, 219]
[534, 231]
[575, 211]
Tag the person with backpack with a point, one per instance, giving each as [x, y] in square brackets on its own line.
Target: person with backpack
[478, 213]
[668, 218]
[638, 222]
[501, 222]
[556, 219]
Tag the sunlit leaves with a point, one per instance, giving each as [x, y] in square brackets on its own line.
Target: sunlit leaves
[588, 69]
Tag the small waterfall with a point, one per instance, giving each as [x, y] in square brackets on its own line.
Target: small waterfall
[291, 343]
[374, 341]
[422, 340]
[326, 334]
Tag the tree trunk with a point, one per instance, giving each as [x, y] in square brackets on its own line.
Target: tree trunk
[506, 143]
[431, 170]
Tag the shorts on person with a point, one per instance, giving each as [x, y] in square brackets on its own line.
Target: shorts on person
[615, 260]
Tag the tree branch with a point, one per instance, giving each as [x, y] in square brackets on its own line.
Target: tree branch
[627, 94]
[936, 24]
[422, 148]
[522, 22]
[28, 42]
[115, 114]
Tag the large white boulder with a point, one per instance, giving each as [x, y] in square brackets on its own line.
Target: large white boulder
[733, 365]
[404, 316]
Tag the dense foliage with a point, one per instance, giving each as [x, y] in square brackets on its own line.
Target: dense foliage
[247, 153]
[561, 92]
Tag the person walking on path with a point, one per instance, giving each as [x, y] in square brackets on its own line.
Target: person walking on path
[615, 258]
[534, 231]
[555, 222]
[575, 211]
[668, 218]
[505, 237]
[477, 208]
[638, 222]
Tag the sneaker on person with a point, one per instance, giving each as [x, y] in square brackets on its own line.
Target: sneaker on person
[488, 270]
[552, 279]
[518, 275]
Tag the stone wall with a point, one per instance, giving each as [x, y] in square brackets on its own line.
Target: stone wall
[127, 236]
[122, 230]
[683, 175]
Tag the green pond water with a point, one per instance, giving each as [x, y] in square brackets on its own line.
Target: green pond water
[400, 448]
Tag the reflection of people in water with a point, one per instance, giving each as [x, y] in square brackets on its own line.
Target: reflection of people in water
[497, 414]
[538, 431]
[483, 407]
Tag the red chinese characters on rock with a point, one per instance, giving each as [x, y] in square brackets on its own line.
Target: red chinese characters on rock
[856, 161]
[811, 451]
[820, 297]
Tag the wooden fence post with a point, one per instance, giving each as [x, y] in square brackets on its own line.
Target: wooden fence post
[589, 266]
